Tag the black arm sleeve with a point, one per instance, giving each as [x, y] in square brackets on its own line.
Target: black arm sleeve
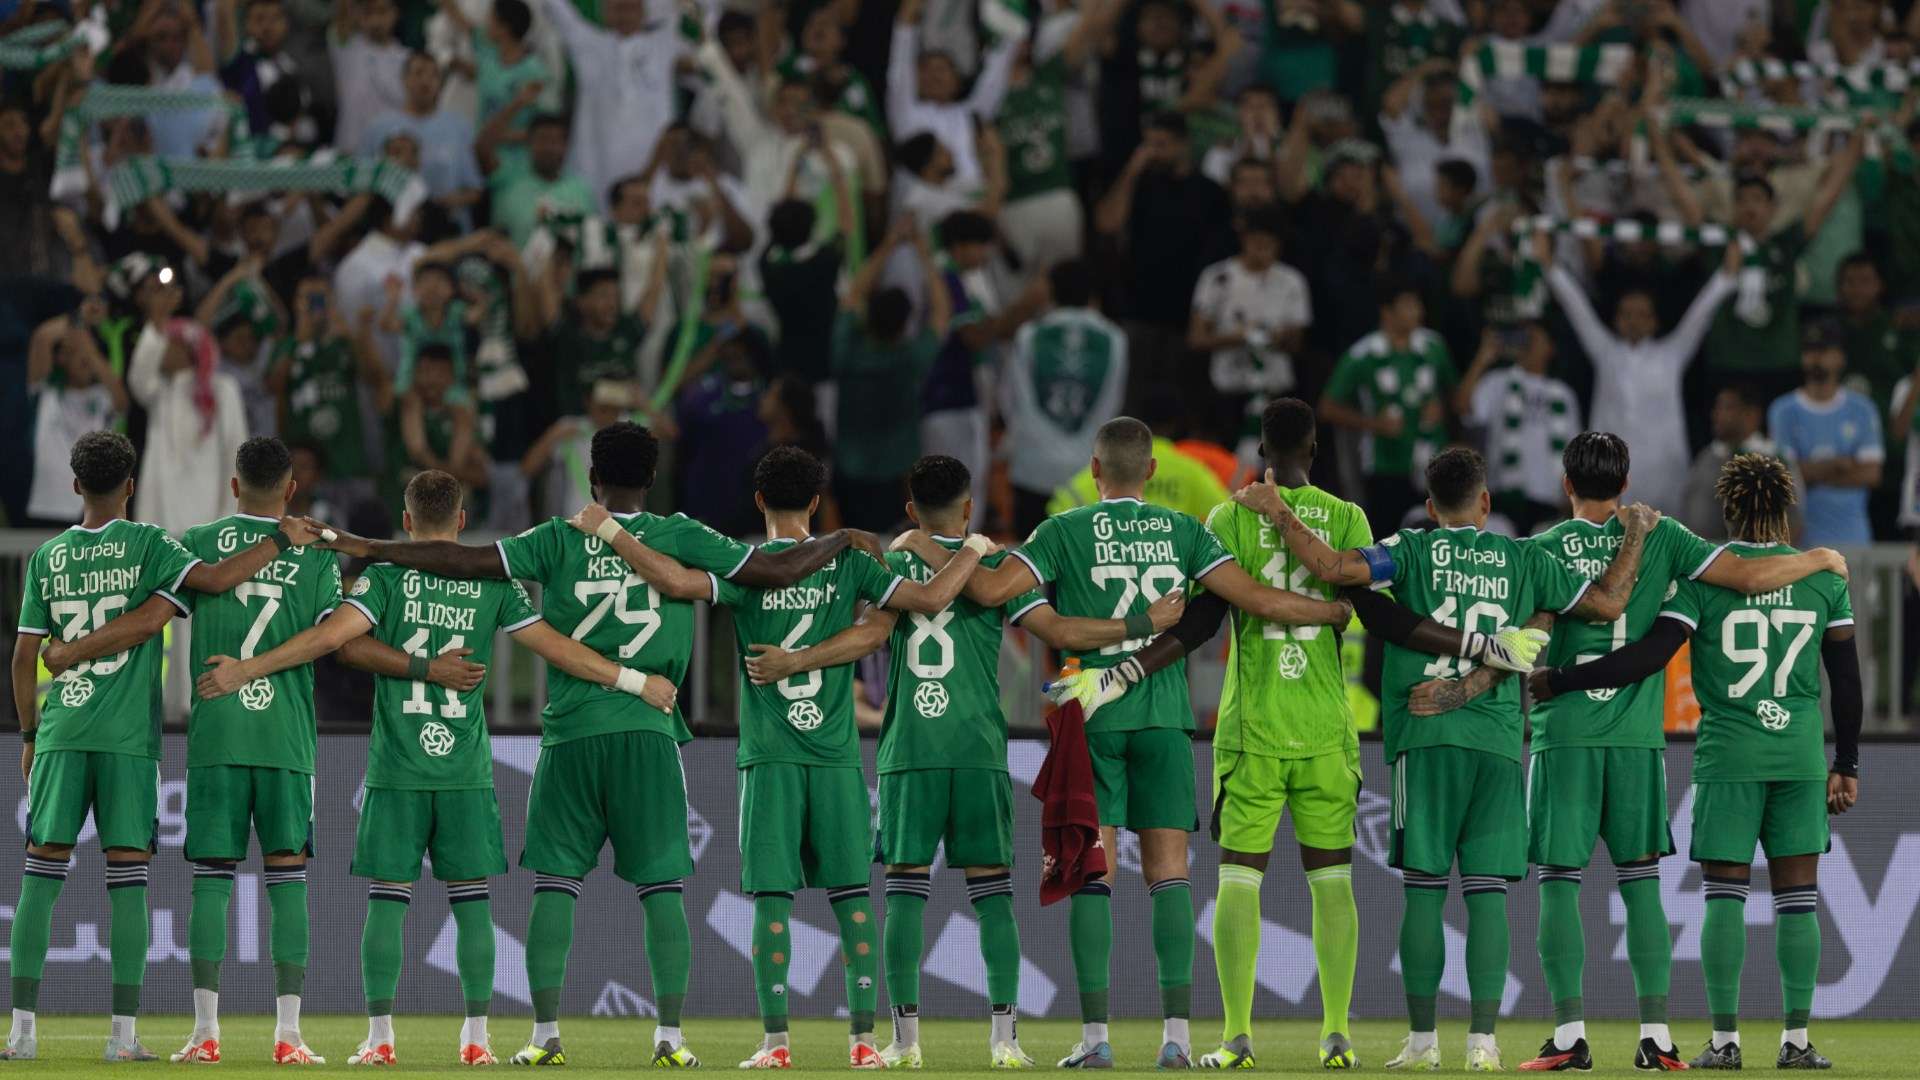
[1196, 627]
[1396, 624]
[1625, 666]
[1842, 662]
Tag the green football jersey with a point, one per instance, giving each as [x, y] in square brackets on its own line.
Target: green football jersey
[804, 719]
[1111, 560]
[270, 722]
[76, 583]
[1471, 580]
[323, 401]
[1631, 715]
[590, 594]
[427, 737]
[943, 698]
[1756, 672]
[1285, 693]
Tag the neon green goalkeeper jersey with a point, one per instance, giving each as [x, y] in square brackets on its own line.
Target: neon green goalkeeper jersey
[76, 583]
[804, 719]
[1285, 694]
[1756, 672]
[1471, 580]
[427, 737]
[590, 594]
[943, 685]
[269, 723]
[1631, 716]
[1111, 560]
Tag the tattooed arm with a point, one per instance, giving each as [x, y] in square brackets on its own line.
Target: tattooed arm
[1606, 598]
[1333, 567]
[1437, 696]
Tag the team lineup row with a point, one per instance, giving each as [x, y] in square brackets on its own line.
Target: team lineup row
[615, 616]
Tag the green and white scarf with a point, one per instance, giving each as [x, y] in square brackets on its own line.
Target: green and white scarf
[1750, 294]
[1738, 116]
[108, 101]
[1590, 65]
[42, 43]
[1891, 79]
[1507, 447]
[136, 180]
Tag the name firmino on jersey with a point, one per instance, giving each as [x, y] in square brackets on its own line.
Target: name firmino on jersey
[1475, 585]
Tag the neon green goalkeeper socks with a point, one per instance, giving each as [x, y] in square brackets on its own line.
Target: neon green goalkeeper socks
[1236, 946]
[1336, 943]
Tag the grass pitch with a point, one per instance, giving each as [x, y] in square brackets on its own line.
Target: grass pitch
[71, 1045]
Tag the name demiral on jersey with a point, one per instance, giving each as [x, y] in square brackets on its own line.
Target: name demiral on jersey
[432, 612]
[1108, 550]
[1449, 579]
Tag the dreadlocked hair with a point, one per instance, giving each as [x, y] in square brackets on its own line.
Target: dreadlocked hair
[1755, 493]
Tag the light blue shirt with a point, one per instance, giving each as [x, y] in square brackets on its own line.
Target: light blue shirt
[1846, 427]
[446, 148]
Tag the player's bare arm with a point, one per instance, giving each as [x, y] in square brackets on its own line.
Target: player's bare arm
[1073, 634]
[768, 664]
[663, 572]
[933, 595]
[1622, 667]
[583, 663]
[1321, 560]
[225, 674]
[242, 565]
[26, 705]
[450, 669]
[122, 632]
[1512, 649]
[447, 558]
[1753, 576]
[1839, 657]
[1436, 696]
[1274, 605]
[1606, 598]
[779, 569]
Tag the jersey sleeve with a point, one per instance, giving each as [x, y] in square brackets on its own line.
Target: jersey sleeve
[1840, 604]
[326, 588]
[371, 591]
[1682, 603]
[726, 592]
[693, 543]
[1556, 588]
[34, 618]
[1045, 550]
[1391, 561]
[516, 609]
[194, 540]
[1354, 530]
[165, 566]
[872, 581]
[534, 554]
[1691, 554]
[1203, 550]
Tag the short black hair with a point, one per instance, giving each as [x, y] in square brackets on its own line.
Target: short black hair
[938, 482]
[1071, 283]
[433, 350]
[587, 280]
[420, 54]
[733, 21]
[1754, 180]
[614, 189]
[262, 463]
[966, 227]
[549, 119]
[259, 208]
[1259, 88]
[433, 498]
[916, 153]
[1287, 428]
[625, 455]
[1392, 287]
[1460, 174]
[1749, 394]
[788, 478]
[791, 222]
[888, 311]
[1456, 477]
[1171, 121]
[1857, 259]
[432, 266]
[1264, 219]
[102, 461]
[1596, 464]
[515, 15]
[236, 321]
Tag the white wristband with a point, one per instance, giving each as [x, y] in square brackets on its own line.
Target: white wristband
[978, 544]
[631, 681]
[607, 530]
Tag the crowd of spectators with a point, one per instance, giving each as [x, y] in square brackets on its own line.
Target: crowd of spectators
[461, 234]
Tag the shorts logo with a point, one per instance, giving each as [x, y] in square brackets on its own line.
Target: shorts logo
[436, 739]
[1603, 695]
[1773, 716]
[1293, 660]
[361, 584]
[1673, 589]
[76, 692]
[804, 715]
[779, 989]
[930, 699]
[865, 983]
[257, 695]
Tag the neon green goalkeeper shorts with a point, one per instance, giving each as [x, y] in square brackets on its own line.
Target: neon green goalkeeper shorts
[1251, 790]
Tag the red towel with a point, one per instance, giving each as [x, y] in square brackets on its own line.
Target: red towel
[1071, 852]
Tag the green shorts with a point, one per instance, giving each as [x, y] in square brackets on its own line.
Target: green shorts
[122, 790]
[1785, 817]
[969, 810]
[1449, 801]
[225, 802]
[627, 787]
[1250, 791]
[1577, 794]
[1144, 779]
[803, 826]
[459, 829]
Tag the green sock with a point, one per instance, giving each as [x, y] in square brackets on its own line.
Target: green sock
[1563, 945]
[1649, 938]
[127, 940]
[1488, 946]
[905, 934]
[992, 897]
[1236, 946]
[1336, 943]
[771, 948]
[549, 940]
[33, 926]
[669, 947]
[1423, 945]
[854, 910]
[382, 943]
[207, 922]
[1796, 945]
[1723, 949]
[1090, 939]
[1173, 944]
[472, 944]
[287, 901]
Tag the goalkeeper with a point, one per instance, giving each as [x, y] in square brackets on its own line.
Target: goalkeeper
[1286, 735]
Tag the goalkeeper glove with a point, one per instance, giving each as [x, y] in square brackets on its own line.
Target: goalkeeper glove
[1513, 649]
[1095, 687]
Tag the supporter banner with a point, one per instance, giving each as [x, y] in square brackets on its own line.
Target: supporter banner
[1869, 889]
